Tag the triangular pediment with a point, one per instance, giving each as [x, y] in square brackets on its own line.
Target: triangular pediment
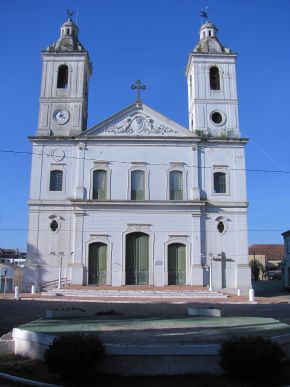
[138, 120]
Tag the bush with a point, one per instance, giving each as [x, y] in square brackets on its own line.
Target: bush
[75, 356]
[252, 357]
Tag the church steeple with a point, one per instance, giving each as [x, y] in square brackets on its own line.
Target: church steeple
[68, 40]
[208, 40]
[64, 87]
[212, 90]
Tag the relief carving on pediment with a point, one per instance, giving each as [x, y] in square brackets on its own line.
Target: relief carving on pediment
[139, 124]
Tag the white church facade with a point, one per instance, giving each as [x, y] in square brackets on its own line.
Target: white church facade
[138, 199]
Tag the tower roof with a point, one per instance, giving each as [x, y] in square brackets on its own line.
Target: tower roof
[209, 42]
[68, 40]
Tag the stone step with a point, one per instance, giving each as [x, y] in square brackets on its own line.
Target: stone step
[135, 293]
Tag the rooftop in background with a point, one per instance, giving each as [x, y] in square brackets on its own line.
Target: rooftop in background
[271, 251]
[11, 253]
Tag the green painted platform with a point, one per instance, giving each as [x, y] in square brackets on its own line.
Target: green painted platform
[181, 330]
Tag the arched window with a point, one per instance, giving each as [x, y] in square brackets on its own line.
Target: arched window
[56, 177]
[100, 184]
[220, 184]
[62, 77]
[137, 185]
[214, 78]
[176, 185]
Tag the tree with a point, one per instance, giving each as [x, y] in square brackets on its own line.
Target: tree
[256, 268]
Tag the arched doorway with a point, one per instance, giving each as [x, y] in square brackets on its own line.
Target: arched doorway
[97, 263]
[176, 264]
[137, 261]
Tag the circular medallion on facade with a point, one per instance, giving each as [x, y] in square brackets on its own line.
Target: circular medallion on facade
[57, 154]
[218, 118]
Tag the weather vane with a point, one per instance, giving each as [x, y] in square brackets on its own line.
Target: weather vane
[69, 13]
[204, 14]
[138, 86]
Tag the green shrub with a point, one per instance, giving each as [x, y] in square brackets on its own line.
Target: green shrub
[252, 357]
[75, 356]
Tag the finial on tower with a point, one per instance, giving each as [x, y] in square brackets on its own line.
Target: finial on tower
[69, 14]
[138, 86]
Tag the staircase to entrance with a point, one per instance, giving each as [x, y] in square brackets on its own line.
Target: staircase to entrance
[135, 291]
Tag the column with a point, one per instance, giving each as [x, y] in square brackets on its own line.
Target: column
[196, 260]
[77, 268]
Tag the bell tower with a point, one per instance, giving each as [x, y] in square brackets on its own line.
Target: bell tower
[212, 90]
[66, 69]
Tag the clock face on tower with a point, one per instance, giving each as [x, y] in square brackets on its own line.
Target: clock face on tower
[61, 116]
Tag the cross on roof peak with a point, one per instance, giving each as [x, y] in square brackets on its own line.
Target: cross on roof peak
[138, 87]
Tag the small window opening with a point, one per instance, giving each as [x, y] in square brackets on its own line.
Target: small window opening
[62, 77]
[220, 185]
[67, 31]
[209, 33]
[54, 225]
[56, 177]
[214, 78]
[203, 34]
[221, 227]
[217, 118]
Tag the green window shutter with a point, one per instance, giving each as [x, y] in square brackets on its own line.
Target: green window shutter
[137, 185]
[176, 185]
[100, 184]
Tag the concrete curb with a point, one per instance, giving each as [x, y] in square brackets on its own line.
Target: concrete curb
[29, 382]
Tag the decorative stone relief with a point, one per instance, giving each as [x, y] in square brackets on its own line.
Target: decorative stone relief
[138, 227]
[139, 124]
[99, 238]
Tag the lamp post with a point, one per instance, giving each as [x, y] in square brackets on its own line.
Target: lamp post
[60, 254]
[210, 272]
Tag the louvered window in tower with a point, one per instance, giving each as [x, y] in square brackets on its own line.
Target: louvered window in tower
[137, 185]
[100, 184]
[176, 185]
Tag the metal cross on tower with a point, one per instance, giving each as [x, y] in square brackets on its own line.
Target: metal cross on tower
[138, 86]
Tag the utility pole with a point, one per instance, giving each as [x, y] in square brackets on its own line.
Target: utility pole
[60, 254]
[210, 272]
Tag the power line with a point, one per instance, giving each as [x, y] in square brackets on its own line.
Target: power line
[156, 231]
[130, 162]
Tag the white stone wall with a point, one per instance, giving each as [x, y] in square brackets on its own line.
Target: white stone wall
[82, 221]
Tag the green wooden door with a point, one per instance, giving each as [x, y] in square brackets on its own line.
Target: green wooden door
[97, 263]
[137, 262]
[176, 264]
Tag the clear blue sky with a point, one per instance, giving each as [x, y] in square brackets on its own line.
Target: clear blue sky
[150, 40]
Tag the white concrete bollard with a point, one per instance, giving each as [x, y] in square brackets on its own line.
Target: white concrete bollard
[33, 289]
[251, 295]
[17, 293]
[239, 292]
